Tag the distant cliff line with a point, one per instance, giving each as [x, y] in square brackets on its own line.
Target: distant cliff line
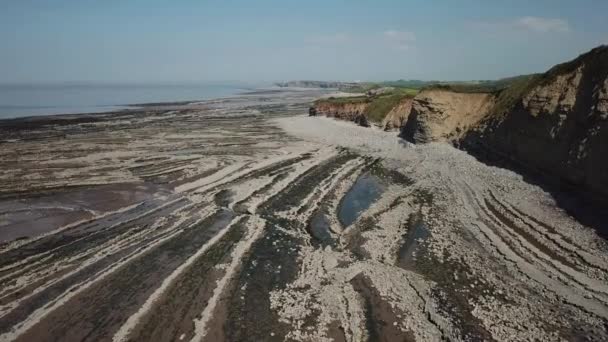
[318, 84]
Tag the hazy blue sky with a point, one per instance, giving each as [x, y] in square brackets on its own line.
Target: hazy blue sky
[176, 41]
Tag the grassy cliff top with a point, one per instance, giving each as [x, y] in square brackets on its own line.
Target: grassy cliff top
[378, 105]
[508, 92]
[345, 99]
[496, 86]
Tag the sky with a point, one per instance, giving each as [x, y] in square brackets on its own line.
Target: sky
[262, 41]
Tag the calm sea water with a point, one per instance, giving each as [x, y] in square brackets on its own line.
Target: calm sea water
[28, 100]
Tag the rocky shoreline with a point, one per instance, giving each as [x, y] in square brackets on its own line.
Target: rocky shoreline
[244, 219]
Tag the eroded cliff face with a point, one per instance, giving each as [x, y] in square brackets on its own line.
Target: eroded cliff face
[397, 116]
[559, 127]
[555, 124]
[345, 111]
[443, 115]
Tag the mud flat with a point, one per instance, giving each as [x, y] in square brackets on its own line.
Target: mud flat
[239, 219]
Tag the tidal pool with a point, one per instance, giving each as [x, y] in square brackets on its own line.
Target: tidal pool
[366, 190]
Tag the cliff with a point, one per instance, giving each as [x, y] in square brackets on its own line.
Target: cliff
[344, 109]
[444, 115]
[387, 107]
[398, 115]
[553, 124]
[556, 126]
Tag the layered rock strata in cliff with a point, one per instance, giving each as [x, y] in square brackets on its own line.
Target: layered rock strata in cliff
[442, 115]
[398, 115]
[346, 111]
[559, 127]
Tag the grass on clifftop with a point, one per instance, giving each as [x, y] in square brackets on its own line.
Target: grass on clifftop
[345, 99]
[362, 88]
[406, 91]
[481, 86]
[379, 105]
[365, 87]
[507, 90]
[507, 97]
[517, 87]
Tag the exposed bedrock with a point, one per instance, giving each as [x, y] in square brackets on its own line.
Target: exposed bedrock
[443, 115]
[398, 116]
[390, 112]
[558, 127]
[346, 111]
[553, 125]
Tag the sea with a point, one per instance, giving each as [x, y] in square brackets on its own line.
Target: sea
[20, 100]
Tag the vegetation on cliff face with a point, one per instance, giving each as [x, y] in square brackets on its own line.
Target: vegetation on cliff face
[510, 91]
[507, 97]
[596, 57]
[379, 107]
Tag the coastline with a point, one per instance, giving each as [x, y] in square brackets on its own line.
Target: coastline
[68, 99]
[157, 222]
[41, 119]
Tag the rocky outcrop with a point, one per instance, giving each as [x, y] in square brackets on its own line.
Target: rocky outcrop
[443, 115]
[558, 127]
[351, 111]
[397, 116]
